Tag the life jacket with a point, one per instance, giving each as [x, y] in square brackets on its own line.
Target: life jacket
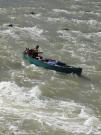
[30, 52]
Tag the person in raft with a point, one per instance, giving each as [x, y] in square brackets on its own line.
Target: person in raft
[36, 52]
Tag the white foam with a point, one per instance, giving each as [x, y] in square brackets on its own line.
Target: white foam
[92, 87]
[91, 121]
[3, 11]
[12, 17]
[37, 16]
[65, 35]
[64, 118]
[10, 32]
[23, 64]
[54, 20]
[50, 19]
[35, 92]
[92, 22]
[83, 114]
[31, 29]
[56, 114]
[34, 32]
[13, 127]
[98, 34]
[9, 91]
[60, 11]
[19, 32]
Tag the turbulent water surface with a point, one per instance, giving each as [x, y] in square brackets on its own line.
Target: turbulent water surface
[36, 101]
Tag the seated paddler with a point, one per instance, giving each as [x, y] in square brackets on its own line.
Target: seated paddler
[36, 53]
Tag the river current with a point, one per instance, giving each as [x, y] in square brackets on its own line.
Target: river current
[36, 101]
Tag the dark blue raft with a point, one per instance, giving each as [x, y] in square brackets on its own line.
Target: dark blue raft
[53, 65]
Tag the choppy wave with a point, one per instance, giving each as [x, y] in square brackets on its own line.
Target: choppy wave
[25, 32]
[26, 107]
[3, 11]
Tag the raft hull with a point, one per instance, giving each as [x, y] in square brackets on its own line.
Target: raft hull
[64, 69]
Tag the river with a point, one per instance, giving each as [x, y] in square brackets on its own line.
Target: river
[36, 101]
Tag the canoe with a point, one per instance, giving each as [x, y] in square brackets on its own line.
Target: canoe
[59, 66]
